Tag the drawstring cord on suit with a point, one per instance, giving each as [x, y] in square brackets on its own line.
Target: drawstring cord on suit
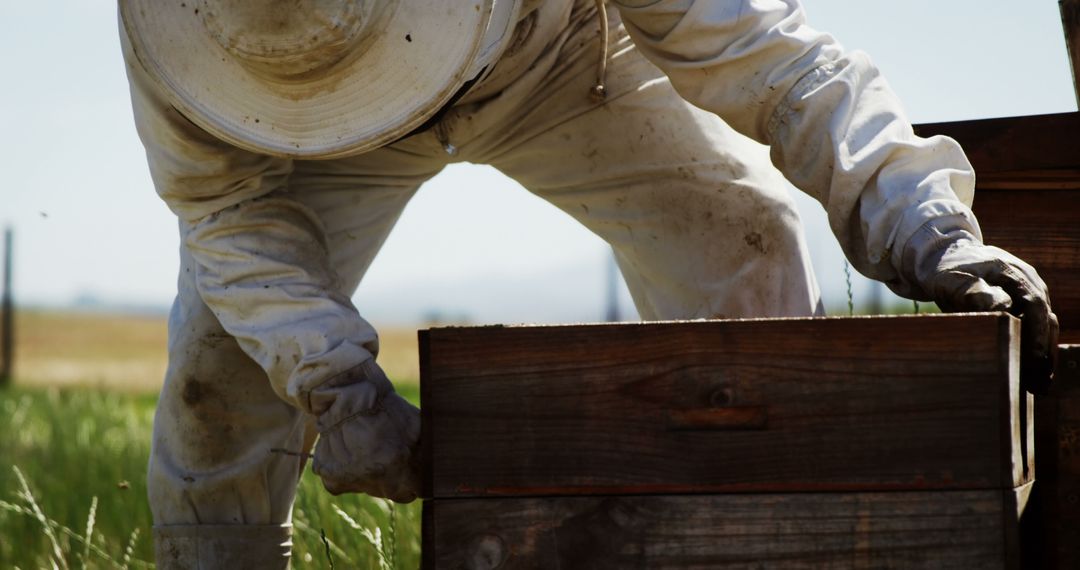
[443, 136]
[599, 91]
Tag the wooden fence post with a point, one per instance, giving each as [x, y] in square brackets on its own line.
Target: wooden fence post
[7, 320]
[1070, 19]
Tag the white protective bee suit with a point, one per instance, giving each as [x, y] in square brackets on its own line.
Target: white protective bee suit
[267, 350]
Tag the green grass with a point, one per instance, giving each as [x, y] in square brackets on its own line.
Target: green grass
[79, 447]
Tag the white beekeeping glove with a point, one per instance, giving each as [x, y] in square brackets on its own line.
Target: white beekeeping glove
[368, 436]
[957, 271]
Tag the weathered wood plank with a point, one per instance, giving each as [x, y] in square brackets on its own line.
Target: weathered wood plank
[944, 529]
[1051, 532]
[1015, 144]
[1022, 181]
[1041, 227]
[864, 404]
[1067, 491]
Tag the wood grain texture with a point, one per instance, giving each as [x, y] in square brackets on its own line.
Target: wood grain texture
[1052, 530]
[943, 529]
[782, 405]
[1005, 148]
[1041, 227]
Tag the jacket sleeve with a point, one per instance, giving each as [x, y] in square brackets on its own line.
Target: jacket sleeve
[836, 129]
[262, 263]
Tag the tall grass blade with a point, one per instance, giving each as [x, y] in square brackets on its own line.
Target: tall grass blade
[16, 508]
[345, 517]
[372, 536]
[58, 553]
[850, 296]
[90, 519]
[391, 536]
[302, 526]
[19, 416]
[130, 548]
[4, 505]
[326, 543]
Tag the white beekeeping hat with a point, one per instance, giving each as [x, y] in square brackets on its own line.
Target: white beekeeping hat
[314, 78]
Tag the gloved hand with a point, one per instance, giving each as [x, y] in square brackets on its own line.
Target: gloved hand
[961, 274]
[368, 437]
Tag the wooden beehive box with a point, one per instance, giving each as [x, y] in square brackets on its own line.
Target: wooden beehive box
[884, 442]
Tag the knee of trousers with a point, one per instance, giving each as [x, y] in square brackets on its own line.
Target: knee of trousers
[214, 547]
[722, 249]
[219, 431]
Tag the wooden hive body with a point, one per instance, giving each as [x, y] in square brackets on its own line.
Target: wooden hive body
[865, 442]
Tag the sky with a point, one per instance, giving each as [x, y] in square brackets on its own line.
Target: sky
[473, 244]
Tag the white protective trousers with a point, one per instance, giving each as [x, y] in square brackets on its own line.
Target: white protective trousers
[698, 216]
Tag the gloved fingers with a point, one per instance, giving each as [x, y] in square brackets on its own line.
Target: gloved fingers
[398, 482]
[406, 472]
[1039, 325]
[1031, 303]
[406, 415]
[960, 291]
[974, 277]
[1016, 264]
[1038, 339]
[346, 467]
[374, 452]
[1038, 346]
[1036, 366]
[407, 479]
[334, 454]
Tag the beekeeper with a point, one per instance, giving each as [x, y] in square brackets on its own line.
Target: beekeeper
[287, 136]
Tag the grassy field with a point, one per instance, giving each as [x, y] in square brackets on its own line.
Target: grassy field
[77, 433]
[80, 451]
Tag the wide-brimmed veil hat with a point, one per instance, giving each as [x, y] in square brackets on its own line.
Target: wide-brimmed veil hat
[313, 78]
